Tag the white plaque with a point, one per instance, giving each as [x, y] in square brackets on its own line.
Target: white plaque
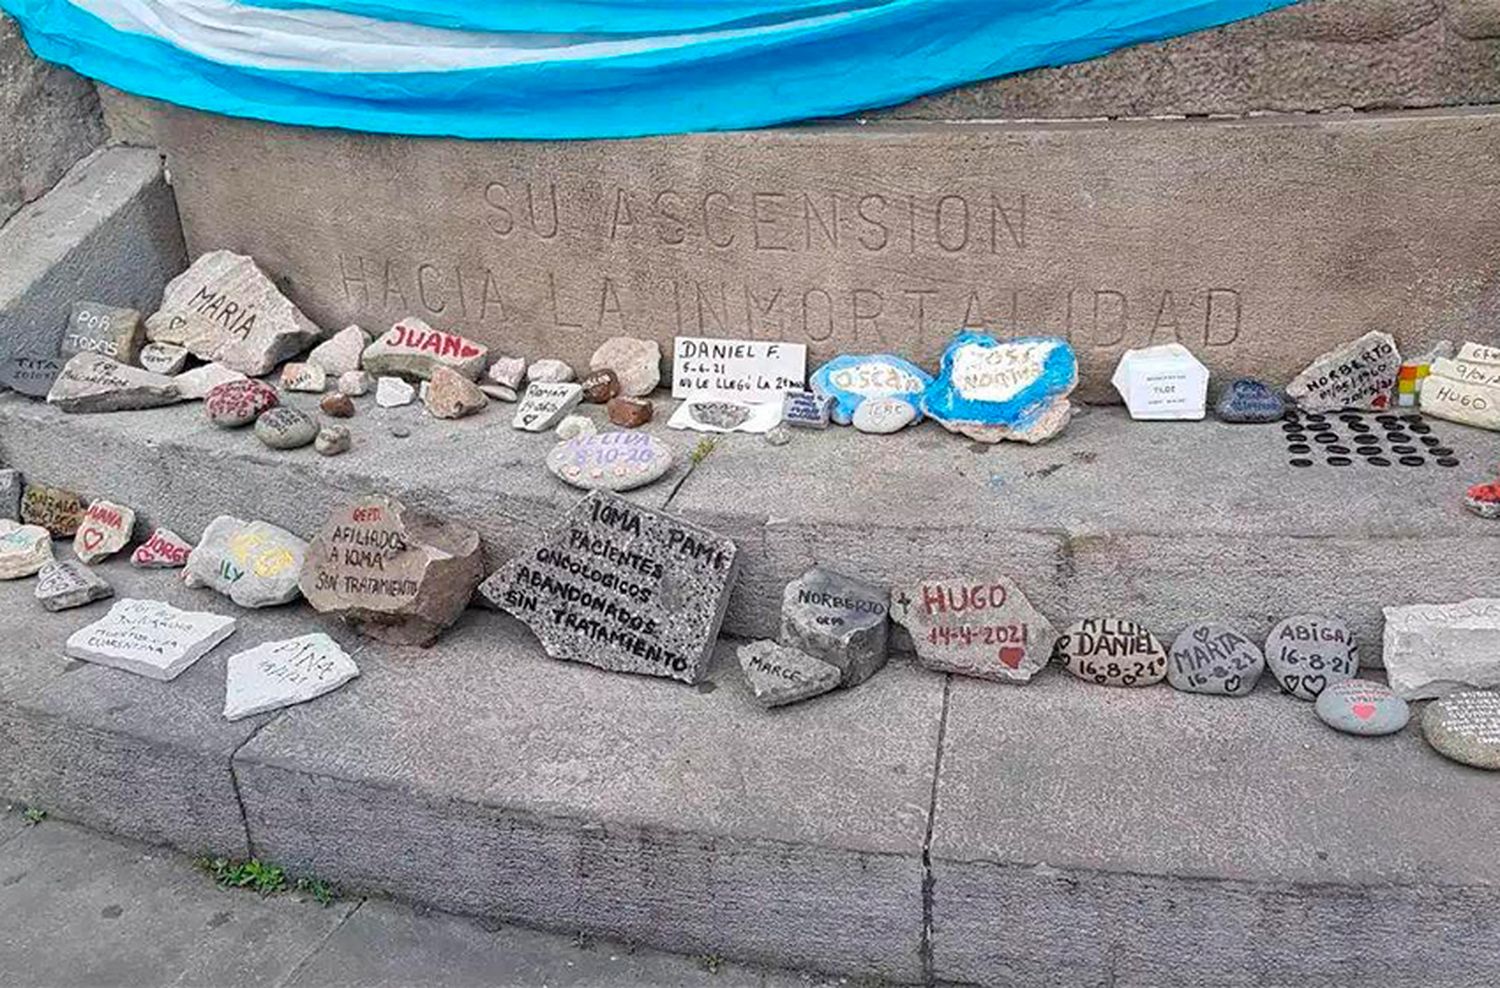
[739, 370]
[1162, 382]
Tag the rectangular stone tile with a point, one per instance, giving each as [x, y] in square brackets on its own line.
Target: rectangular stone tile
[487, 779]
[1079, 830]
[1257, 243]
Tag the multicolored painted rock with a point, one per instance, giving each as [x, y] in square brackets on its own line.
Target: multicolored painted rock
[990, 390]
[852, 378]
[1484, 499]
[610, 461]
[1362, 707]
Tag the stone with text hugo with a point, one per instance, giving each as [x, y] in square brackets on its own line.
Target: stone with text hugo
[1112, 652]
[1434, 649]
[30, 374]
[992, 390]
[63, 584]
[163, 549]
[279, 674]
[974, 626]
[1359, 375]
[391, 573]
[838, 619]
[94, 327]
[104, 531]
[736, 370]
[24, 549]
[1454, 391]
[56, 509]
[779, 674]
[254, 564]
[224, 309]
[851, 379]
[412, 349]
[90, 382]
[1214, 659]
[1309, 652]
[622, 587]
[149, 638]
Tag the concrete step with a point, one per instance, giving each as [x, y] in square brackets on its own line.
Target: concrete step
[1165, 523]
[918, 828]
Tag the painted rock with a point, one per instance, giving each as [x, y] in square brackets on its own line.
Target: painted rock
[544, 404]
[285, 427]
[104, 531]
[1249, 400]
[575, 426]
[636, 363]
[341, 352]
[57, 509]
[279, 674]
[629, 413]
[1465, 727]
[333, 440]
[1362, 706]
[610, 461]
[1463, 390]
[392, 573]
[355, 383]
[63, 584]
[981, 627]
[508, 372]
[236, 403]
[337, 405]
[1360, 375]
[90, 382]
[1309, 652]
[726, 415]
[149, 638]
[881, 416]
[163, 549]
[254, 564]
[851, 378]
[549, 371]
[1112, 652]
[1210, 658]
[30, 374]
[450, 395]
[304, 377]
[807, 410]
[195, 384]
[839, 620]
[990, 390]
[107, 330]
[1484, 500]
[393, 392]
[411, 348]
[163, 358]
[599, 386]
[24, 549]
[779, 675]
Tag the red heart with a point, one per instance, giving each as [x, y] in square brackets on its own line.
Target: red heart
[1364, 711]
[1011, 657]
[91, 538]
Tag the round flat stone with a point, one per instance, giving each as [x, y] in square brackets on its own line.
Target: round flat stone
[1300, 463]
[1249, 400]
[610, 461]
[285, 427]
[1214, 659]
[1412, 461]
[1309, 652]
[885, 415]
[1465, 727]
[236, 403]
[1112, 652]
[1362, 706]
[1299, 448]
[1339, 461]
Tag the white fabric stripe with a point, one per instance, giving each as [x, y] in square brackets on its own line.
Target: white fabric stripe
[328, 41]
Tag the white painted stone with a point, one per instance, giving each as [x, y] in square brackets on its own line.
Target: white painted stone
[1162, 382]
[544, 404]
[392, 392]
[882, 416]
[104, 531]
[194, 385]
[749, 371]
[149, 638]
[355, 383]
[1467, 402]
[1479, 353]
[163, 358]
[254, 564]
[304, 377]
[341, 352]
[1361, 374]
[1432, 650]
[24, 549]
[281, 673]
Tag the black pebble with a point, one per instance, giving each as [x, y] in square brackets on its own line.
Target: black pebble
[1412, 461]
[1420, 428]
[1369, 450]
[1405, 450]
[1431, 441]
[1300, 463]
[1440, 451]
[1296, 437]
[1378, 461]
[1291, 425]
[1398, 437]
[1386, 419]
[1326, 437]
[1352, 417]
[1447, 461]
[1339, 461]
[1359, 427]
[1299, 448]
[1336, 449]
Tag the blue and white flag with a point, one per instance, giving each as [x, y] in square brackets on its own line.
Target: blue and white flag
[578, 68]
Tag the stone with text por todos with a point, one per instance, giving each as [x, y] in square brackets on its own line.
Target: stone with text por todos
[779, 675]
[149, 638]
[622, 587]
[838, 619]
[1362, 707]
[285, 427]
[238, 403]
[90, 382]
[549, 371]
[304, 377]
[1216, 660]
[992, 390]
[1162, 382]
[1112, 652]
[636, 363]
[975, 626]
[391, 573]
[94, 327]
[749, 371]
[450, 395]
[104, 531]
[610, 461]
[807, 409]
[544, 404]
[163, 549]
[254, 564]
[341, 352]
[883, 416]
[1359, 375]
[1247, 400]
[24, 549]
[30, 374]
[63, 584]
[198, 382]
[412, 349]
[1465, 727]
[163, 358]
[56, 509]
[1431, 650]
[224, 309]
[279, 674]
[1309, 652]
[852, 378]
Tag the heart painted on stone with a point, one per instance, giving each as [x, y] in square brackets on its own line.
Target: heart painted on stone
[91, 538]
[1202, 634]
[1232, 684]
[1364, 711]
[1011, 657]
[1314, 684]
[1290, 683]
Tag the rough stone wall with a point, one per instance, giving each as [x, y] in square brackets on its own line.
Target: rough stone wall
[49, 119]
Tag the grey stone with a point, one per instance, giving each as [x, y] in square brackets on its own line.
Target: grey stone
[163, 549]
[549, 371]
[1211, 658]
[636, 362]
[308, 377]
[279, 674]
[1307, 653]
[163, 358]
[341, 352]
[149, 638]
[450, 395]
[610, 461]
[499, 392]
[882, 416]
[544, 404]
[807, 410]
[392, 392]
[254, 564]
[1465, 727]
[30, 374]
[285, 427]
[974, 626]
[354, 383]
[411, 348]
[725, 415]
[195, 384]
[333, 440]
[63, 584]
[622, 587]
[778, 435]
[1431, 650]
[507, 372]
[837, 619]
[11, 485]
[24, 549]
[89, 382]
[1362, 707]
[107, 330]
[575, 427]
[1360, 374]
[779, 675]
[392, 573]
[106, 528]
[1112, 652]
[235, 403]
[56, 509]
[1247, 400]
[226, 310]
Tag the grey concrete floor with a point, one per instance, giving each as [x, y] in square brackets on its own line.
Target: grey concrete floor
[78, 908]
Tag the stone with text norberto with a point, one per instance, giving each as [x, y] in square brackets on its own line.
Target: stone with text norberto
[975, 626]
[412, 349]
[622, 587]
[838, 619]
[1359, 375]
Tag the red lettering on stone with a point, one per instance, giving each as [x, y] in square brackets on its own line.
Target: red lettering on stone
[932, 599]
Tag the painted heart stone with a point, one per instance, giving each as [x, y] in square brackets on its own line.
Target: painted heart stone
[1308, 652]
[991, 390]
[1362, 706]
[1112, 652]
[852, 378]
[1213, 659]
[982, 626]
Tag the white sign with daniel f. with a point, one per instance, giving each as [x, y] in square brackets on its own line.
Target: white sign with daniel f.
[739, 370]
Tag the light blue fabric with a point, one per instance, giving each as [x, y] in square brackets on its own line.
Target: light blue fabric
[691, 65]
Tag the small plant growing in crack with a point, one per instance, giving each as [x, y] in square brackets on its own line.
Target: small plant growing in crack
[711, 963]
[316, 889]
[254, 874]
[33, 815]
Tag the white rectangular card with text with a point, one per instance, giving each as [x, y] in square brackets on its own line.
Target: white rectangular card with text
[740, 370]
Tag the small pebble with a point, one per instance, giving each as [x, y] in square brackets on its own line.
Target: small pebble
[338, 405]
[332, 440]
[779, 435]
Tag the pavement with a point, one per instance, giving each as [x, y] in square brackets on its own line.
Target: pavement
[80, 909]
